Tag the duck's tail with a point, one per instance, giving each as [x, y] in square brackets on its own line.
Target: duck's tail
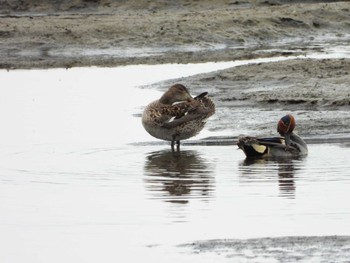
[207, 102]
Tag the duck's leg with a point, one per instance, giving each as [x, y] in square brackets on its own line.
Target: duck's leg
[178, 145]
[173, 143]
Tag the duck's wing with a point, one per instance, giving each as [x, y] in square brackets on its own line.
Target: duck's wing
[179, 114]
[258, 147]
[262, 140]
[270, 141]
[183, 112]
[172, 123]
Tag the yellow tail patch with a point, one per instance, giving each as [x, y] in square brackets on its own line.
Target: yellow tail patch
[259, 148]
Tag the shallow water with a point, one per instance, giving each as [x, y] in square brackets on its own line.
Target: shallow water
[132, 201]
[81, 181]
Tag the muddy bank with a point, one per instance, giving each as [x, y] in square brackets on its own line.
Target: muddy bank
[45, 34]
[251, 98]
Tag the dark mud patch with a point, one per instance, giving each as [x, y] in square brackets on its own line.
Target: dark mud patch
[280, 249]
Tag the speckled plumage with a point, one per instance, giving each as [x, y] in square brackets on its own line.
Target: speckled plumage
[289, 145]
[177, 115]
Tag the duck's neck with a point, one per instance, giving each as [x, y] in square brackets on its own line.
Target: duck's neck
[166, 99]
[287, 138]
[297, 139]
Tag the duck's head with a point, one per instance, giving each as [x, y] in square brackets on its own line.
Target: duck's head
[175, 93]
[286, 125]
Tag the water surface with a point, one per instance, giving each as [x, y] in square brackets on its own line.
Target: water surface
[81, 181]
[134, 201]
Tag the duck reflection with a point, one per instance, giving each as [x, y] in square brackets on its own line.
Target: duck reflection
[285, 168]
[178, 176]
[286, 171]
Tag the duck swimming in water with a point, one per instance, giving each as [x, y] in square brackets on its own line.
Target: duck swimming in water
[177, 115]
[288, 145]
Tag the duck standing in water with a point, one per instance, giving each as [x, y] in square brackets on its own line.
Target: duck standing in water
[289, 145]
[177, 115]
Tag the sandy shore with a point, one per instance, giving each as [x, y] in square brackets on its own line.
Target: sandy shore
[41, 34]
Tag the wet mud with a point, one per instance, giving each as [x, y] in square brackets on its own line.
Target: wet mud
[46, 34]
[280, 249]
[252, 98]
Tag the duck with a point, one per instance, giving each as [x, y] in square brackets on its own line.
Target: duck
[288, 144]
[176, 115]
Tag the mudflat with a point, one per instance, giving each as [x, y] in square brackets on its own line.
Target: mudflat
[80, 33]
[42, 34]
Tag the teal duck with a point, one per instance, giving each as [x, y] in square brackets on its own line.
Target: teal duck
[289, 144]
[177, 115]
